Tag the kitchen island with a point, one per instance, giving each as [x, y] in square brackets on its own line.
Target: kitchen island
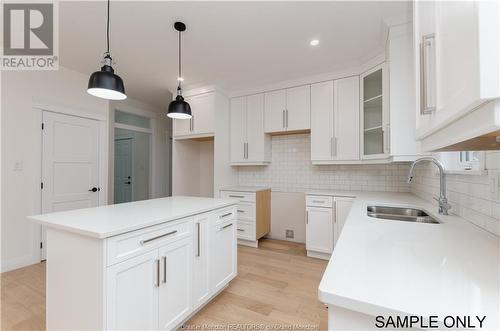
[439, 274]
[145, 265]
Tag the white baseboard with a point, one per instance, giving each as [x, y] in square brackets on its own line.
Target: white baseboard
[18, 262]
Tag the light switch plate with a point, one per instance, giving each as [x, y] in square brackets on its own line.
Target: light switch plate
[494, 183]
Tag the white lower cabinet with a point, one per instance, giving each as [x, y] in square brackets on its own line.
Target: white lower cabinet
[201, 280]
[132, 295]
[223, 254]
[174, 294]
[177, 270]
[325, 218]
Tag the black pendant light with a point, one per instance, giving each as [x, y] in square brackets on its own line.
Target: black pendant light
[179, 109]
[105, 83]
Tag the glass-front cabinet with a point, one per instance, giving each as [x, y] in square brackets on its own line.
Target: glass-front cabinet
[375, 117]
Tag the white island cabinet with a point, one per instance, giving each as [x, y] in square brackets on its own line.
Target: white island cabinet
[145, 265]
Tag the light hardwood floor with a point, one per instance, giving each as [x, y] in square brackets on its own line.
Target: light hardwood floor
[276, 285]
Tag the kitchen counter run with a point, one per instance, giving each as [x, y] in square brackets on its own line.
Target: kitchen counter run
[384, 267]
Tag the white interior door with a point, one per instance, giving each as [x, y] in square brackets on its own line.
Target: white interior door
[123, 170]
[70, 164]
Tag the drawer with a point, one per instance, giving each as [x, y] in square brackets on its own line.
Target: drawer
[319, 201]
[225, 214]
[246, 230]
[246, 211]
[242, 196]
[125, 246]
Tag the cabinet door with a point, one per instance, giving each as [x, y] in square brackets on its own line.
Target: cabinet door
[203, 111]
[175, 283]
[238, 129]
[132, 293]
[319, 229]
[298, 108]
[346, 119]
[182, 127]
[256, 139]
[275, 111]
[322, 121]
[201, 286]
[342, 208]
[222, 254]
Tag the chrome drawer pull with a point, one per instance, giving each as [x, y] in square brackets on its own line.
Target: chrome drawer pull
[241, 230]
[226, 226]
[157, 237]
[164, 269]
[318, 201]
[236, 196]
[157, 273]
[240, 211]
[226, 215]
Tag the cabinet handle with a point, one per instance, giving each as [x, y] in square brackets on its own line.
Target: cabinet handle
[164, 269]
[333, 146]
[226, 215]
[427, 41]
[158, 237]
[198, 229]
[307, 217]
[192, 123]
[283, 119]
[236, 196]
[286, 116]
[240, 211]
[157, 284]
[247, 150]
[241, 230]
[226, 226]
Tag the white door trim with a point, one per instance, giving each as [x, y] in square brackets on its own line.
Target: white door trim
[38, 109]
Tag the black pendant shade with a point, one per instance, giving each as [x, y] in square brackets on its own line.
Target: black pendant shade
[106, 84]
[179, 109]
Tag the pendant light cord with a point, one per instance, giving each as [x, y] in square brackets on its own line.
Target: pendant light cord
[179, 78]
[107, 31]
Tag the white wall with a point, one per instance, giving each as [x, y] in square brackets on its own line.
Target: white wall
[470, 196]
[21, 148]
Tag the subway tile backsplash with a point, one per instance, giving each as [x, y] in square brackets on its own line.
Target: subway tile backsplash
[472, 197]
[291, 171]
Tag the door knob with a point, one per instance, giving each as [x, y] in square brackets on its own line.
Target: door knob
[94, 189]
[128, 182]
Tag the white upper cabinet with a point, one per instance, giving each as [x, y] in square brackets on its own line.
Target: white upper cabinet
[288, 110]
[346, 118]
[403, 145]
[275, 104]
[457, 51]
[202, 122]
[249, 144]
[335, 121]
[374, 114]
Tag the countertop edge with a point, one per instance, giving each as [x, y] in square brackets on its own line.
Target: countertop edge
[105, 235]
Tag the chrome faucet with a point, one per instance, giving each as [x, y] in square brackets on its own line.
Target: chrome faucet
[444, 206]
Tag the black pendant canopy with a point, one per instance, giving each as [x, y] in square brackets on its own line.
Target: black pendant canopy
[179, 109]
[105, 83]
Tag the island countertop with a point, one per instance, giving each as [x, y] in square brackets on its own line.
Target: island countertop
[111, 220]
[384, 267]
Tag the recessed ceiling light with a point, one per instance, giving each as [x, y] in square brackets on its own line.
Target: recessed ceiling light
[314, 42]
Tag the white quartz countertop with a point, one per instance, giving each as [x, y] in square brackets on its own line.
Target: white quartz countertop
[111, 220]
[383, 267]
[246, 188]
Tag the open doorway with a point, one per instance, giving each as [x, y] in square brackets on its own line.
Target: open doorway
[132, 157]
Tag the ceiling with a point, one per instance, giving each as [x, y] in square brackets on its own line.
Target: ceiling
[235, 45]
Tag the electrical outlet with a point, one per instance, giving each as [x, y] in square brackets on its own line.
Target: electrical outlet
[289, 234]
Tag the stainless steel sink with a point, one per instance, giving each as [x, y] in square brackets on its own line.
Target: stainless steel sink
[400, 214]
